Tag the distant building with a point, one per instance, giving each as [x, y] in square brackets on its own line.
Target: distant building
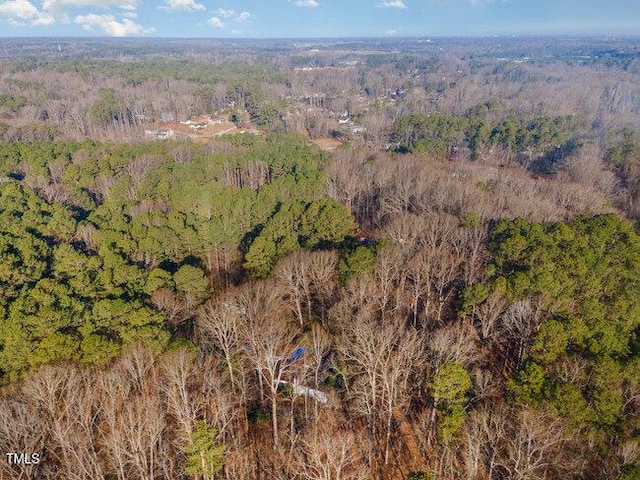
[344, 118]
[167, 117]
[163, 134]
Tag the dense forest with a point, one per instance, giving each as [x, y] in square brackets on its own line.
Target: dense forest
[408, 260]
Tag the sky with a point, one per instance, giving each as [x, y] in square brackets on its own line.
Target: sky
[315, 18]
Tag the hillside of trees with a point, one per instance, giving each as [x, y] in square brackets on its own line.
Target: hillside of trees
[450, 292]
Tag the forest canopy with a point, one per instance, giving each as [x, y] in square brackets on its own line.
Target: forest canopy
[396, 259]
[125, 223]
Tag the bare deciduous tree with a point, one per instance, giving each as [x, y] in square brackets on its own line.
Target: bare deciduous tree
[488, 314]
[535, 447]
[293, 274]
[178, 369]
[384, 357]
[67, 402]
[330, 453]
[270, 340]
[519, 322]
[454, 343]
[22, 429]
[140, 428]
[219, 323]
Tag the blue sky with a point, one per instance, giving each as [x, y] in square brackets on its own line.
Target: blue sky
[315, 18]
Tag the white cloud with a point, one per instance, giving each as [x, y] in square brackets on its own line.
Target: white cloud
[23, 12]
[243, 17]
[110, 25]
[225, 13]
[215, 22]
[18, 8]
[305, 3]
[392, 4]
[61, 5]
[228, 13]
[43, 19]
[181, 6]
[390, 33]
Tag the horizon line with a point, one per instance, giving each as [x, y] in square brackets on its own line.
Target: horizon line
[336, 37]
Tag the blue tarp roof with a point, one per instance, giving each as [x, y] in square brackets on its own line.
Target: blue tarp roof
[297, 354]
